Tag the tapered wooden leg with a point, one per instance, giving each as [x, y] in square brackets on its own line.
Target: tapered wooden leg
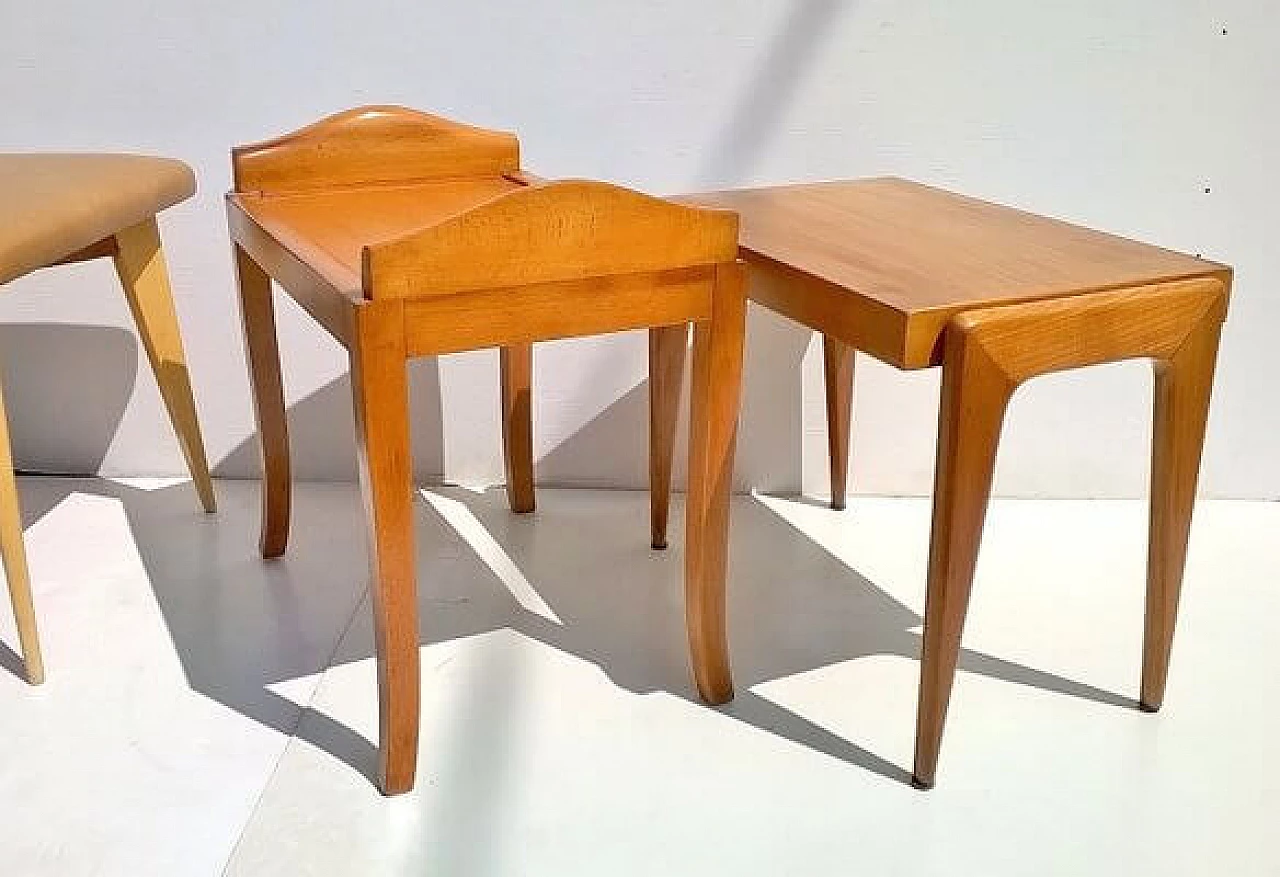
[713, 426]
[139, 261]
[837, 358]
[667, 348]
[380, 389]
[1183, 385]
[990, 351]
[15, 559]
[258, 320]
[975, 393]
[516, 365]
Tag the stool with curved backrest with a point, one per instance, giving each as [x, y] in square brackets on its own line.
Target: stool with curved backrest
[406, 235]
[62, 208]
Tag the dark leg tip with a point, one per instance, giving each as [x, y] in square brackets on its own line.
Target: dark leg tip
[659, 546]
[391, 790]
[837, 505]
[920, 784]
[717, 698]
[1148, 707]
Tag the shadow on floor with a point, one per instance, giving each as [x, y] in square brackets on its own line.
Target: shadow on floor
[577, 576]
[10, 662]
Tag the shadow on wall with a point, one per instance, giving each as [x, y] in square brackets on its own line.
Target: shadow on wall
[771, 90]
[578, 577]
[322, 432]
[67, 387]
[610, 450]
[65, 391]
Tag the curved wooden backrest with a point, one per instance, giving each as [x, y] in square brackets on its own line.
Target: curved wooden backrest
[563, 230]
[377, 144]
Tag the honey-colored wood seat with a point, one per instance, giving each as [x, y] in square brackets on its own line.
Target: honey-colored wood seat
[404, 234]
[58, 208]
[330, 229]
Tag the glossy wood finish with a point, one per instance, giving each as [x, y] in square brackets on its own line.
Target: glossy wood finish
[401, 242]
[330, 305]
[373, 145]
[1183, 384]
[974, 397]
[515, 363]
[566, 309]
[668, 346]
[837, 369]
[917, 276]
[380, 390]
[989, 353]
[883, 264]
[328, 230]
[139, 261]
[15, 559]
[546, 232]
[258, 321]
[713, 430]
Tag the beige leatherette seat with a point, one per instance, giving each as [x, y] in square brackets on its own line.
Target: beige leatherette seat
[57, 208]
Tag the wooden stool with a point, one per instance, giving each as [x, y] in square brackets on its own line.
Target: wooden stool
[919, 277]
[56, 209]
[407, 235]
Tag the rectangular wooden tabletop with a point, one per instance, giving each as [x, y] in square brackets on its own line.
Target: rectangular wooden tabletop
[884, 263]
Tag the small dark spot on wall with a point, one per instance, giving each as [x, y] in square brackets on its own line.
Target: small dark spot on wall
[1207, 190]
[1224, 31]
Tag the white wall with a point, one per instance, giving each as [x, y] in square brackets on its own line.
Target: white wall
[1140, 117]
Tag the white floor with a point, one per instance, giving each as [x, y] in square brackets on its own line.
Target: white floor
[210, 713]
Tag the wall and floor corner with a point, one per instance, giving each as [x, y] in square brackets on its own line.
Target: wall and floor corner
[1150, 119]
